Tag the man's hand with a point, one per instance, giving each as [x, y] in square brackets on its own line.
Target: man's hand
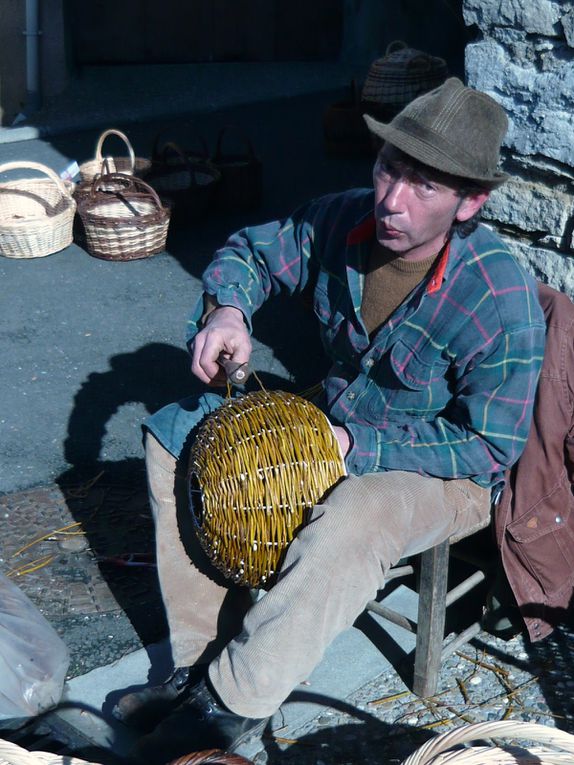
[343, 438]
[224, 332]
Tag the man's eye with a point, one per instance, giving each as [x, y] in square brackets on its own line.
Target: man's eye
[425, 187]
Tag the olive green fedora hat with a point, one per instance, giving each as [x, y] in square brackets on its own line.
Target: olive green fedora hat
[452, 128]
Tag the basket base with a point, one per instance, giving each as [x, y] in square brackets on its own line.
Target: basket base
[123, 258]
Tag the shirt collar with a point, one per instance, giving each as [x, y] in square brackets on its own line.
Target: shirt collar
[365, 230]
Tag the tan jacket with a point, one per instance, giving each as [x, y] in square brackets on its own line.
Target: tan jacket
[534, 520]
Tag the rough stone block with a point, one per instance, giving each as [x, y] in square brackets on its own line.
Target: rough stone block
[540, 104]
[568, 27]
[531, 207]
[534, 16]
[555, 268]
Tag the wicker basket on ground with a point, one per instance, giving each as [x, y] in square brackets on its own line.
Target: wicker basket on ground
[124, 224]
[558, 746]
[130, 165]
[13, 754]
[257, 466]
[241, 186]
[36, 214]
[188, 181]
[211, 757]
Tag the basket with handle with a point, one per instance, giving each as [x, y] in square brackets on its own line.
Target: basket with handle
[13, 754]
[36, 214]
[441, 750]
[241, 185]
[211, 757]
[396, 79]
[124, 224]
[180, 135]
[186, 180]
[130, 165]
[257, 466]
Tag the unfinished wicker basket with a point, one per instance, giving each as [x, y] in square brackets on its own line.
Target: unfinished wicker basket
[126, 223]
[439, 750]
[258, 465]
[36, 214]
[130, 165]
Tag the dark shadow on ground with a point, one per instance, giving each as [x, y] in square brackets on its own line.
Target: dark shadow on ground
[364, 739]
[109, 498]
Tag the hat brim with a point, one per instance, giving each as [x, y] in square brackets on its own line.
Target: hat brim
[430, 155]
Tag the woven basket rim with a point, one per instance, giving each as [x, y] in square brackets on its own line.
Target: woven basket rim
[90, 202]
[206, 167]
[437, 750]
[14, 754]
[65, 188]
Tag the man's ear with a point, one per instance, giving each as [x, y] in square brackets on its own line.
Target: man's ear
[470, 205]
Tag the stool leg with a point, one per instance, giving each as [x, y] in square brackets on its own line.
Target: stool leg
[431, 618]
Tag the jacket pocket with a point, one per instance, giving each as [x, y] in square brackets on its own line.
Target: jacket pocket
[543, 539]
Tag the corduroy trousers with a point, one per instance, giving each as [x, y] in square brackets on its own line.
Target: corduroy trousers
[258, 651]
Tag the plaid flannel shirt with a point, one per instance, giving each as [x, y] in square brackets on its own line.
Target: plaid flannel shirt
[446, 386]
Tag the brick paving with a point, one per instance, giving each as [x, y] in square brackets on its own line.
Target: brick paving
[64, 547]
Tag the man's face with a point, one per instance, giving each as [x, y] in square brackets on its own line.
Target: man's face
[414, 205]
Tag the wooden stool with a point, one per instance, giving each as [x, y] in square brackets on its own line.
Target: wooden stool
[434, 598]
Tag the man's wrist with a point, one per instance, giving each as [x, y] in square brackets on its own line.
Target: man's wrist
[213, 309]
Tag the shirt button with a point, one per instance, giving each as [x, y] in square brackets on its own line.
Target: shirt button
[558, 519]
[369, 363]
[351, 395]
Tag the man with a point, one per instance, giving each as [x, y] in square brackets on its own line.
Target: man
[436, 338]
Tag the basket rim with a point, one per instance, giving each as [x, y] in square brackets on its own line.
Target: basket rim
[425, 754]
[64, 189]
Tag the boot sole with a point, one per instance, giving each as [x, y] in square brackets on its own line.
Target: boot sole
[250, 744]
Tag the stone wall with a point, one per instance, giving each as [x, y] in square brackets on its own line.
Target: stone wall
[523, 55]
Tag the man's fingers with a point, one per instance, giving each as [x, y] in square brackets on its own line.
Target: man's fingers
[210, 345]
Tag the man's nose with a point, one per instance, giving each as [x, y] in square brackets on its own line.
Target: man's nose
[395, 195]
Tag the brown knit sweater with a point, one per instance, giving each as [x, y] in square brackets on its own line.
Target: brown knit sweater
[388, 281]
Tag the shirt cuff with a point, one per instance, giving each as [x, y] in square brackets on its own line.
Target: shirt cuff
[362, 455]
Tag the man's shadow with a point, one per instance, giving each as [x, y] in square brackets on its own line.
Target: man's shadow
[109, 496]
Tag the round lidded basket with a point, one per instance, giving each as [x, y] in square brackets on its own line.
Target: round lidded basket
[127, 223]
[400, 76]
[257, 466]
[130, 165]
[440, 751]
[36, 214]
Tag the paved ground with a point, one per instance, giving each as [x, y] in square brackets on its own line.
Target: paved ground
[90, 347]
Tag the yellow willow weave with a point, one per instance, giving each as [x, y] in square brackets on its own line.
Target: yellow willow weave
[257, 467]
